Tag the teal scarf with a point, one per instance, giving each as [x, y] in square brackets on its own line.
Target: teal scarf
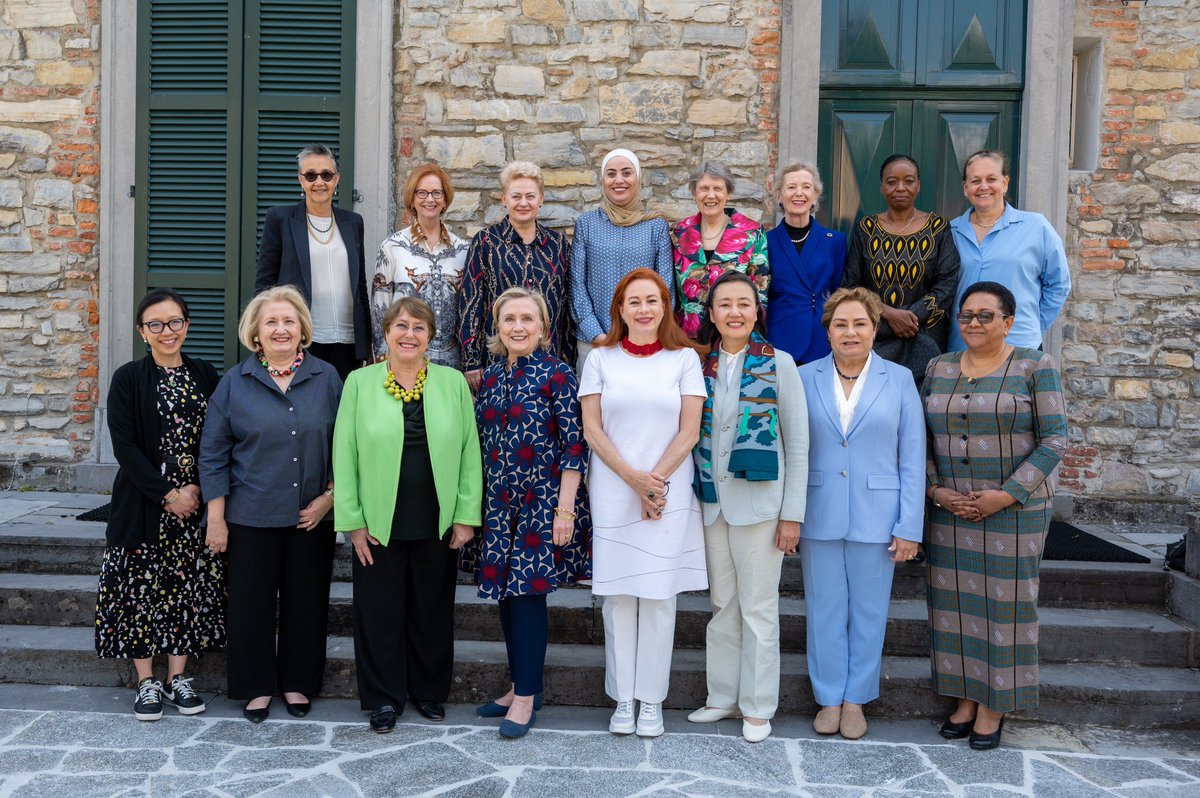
[755, 453]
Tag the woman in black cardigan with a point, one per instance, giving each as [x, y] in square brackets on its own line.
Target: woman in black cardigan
[161, 590]
[319, 249]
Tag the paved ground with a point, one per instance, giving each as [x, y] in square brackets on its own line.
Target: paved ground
[65, 742]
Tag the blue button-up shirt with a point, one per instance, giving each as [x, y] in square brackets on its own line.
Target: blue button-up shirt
[269, 451]
[1023, 253]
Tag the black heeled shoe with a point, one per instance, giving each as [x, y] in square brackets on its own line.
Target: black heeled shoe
[986, 742]
[956, 731]
[299, 709]
[256, 715]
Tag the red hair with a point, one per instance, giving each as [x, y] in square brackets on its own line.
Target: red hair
[669, 332]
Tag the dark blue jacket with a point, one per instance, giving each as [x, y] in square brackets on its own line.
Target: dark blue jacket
[800, 284]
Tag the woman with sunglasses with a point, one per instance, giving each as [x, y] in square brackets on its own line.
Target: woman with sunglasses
[997, 428]
[161, 591]
[319, 249]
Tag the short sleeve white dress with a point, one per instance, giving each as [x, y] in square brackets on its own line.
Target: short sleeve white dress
[640, 398]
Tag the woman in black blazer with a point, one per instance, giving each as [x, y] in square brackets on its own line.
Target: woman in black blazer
[319, 249]
[161, 590]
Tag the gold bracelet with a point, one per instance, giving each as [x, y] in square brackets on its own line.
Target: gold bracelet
[563, 512]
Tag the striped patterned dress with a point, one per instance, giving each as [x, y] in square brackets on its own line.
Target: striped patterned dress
[1005, 431]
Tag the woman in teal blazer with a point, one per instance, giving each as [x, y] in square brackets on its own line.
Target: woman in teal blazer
[409, 490]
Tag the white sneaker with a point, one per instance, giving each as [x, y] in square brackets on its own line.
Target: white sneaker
[650, 721]
[622, 721]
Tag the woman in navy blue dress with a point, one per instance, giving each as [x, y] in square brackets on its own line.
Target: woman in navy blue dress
[536, 531]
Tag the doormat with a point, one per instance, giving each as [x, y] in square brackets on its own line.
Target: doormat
[1067, 542]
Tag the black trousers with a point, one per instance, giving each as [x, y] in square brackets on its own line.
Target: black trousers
[340, 356]
[404, 623]
[292, 568]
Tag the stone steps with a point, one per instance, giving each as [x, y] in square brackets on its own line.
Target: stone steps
[1071, 693]
[1113, 635]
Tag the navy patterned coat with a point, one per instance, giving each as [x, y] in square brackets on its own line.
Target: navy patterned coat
[530, 431]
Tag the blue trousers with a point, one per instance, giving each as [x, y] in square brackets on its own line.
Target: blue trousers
[847, 589]
[524, 621]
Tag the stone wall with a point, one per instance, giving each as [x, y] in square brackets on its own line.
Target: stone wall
[1130, 352]
[560, 82]
[49, 176]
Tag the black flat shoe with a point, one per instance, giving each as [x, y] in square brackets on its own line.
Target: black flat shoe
[298, 710]
[956, 731]
[431, 710]
[383, 720]
[256, 715]
[986, 742]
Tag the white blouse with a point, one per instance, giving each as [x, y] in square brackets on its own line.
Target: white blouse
[847, 404]
[332, 295]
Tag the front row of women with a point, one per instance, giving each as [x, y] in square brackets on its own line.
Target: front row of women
[702, 470]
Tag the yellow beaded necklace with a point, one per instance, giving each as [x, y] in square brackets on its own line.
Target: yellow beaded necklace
[402, 394]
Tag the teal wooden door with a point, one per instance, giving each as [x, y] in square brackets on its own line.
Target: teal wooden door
[228, 92]
[935, 79]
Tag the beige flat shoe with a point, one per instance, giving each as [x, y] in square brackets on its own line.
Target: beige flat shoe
[853, 724]
[827, 720]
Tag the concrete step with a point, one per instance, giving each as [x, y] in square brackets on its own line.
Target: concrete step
[35, 544]
[1076, 693]
[1121, 636]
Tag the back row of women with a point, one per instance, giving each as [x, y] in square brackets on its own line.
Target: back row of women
[839, 444]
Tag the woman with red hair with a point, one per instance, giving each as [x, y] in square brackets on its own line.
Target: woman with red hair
[642, 392]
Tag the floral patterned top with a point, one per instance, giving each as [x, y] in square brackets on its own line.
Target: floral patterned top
[498, 260]
[743, 246]
[402, 269]
[530, 430]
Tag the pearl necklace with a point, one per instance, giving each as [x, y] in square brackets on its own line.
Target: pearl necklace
[402, 394]
[981, 224]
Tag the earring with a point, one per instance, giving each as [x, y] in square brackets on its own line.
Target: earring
[147, 343]
[256, 339]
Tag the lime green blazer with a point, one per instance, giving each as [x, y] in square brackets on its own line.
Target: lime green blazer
[369, 439]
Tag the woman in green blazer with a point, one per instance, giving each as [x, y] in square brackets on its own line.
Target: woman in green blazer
[409, 490]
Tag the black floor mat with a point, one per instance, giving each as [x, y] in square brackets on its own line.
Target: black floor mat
[1066, 542]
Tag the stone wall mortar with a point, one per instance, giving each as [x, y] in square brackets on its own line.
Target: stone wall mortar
[49, 181]
[1131, 360]
[560, 82]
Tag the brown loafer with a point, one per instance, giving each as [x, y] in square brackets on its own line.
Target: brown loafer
[827, 720]
[853, 724]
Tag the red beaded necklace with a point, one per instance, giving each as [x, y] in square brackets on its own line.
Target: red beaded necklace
[641, 349]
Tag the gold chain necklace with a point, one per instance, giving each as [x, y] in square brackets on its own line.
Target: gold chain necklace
[313, 230]
[406, 395]
[975, 221]
[902, 230]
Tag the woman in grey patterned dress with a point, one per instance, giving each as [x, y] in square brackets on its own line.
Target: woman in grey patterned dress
[425, 260]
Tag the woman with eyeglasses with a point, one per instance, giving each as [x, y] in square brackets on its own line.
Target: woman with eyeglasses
[1020, 249]
[162, 592]
[319, 249]
[424, 260]
[997, 428]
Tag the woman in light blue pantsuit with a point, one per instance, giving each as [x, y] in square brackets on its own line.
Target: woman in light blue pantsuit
[865, 506]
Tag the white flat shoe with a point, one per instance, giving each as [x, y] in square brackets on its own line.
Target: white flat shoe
[755, 734]
[713, 714]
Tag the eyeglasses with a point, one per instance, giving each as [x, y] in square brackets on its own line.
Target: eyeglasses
[436, 193]
[174, 325]
[312, 176]
[985, 317]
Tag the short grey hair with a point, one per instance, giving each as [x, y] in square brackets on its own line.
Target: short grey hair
[801, 166]
[711, 169]
[319, 150]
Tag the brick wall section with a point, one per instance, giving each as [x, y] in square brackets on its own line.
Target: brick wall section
[1130, 354]
[560, 82]
[49, 178]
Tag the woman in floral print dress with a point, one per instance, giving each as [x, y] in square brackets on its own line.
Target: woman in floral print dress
[712, 242]
[536, 532]
[161, 591]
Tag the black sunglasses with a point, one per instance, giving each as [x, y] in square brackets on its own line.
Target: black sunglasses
[984, 316]
[312, 176]
[174, 325]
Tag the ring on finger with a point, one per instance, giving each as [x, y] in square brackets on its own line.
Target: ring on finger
[651, 495]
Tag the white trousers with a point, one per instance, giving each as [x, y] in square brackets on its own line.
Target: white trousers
[743, 635]
[639, 636]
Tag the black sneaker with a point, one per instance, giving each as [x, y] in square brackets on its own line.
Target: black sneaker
[179, 694]
[148, 705]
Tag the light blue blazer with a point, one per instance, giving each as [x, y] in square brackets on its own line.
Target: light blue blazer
[865, 486]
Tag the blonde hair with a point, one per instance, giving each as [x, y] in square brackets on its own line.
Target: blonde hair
[248, 324]
[869, 299]
[519, 169]
[410, 192]
[801, 166]
[494, 344]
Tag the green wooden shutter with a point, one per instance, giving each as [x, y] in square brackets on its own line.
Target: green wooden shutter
[868, 42]
[188, 175]
[945, 132]
[857, 135]
[227, 93]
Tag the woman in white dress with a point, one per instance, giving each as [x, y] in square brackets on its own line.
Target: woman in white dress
[642, 392]
[424, 260]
